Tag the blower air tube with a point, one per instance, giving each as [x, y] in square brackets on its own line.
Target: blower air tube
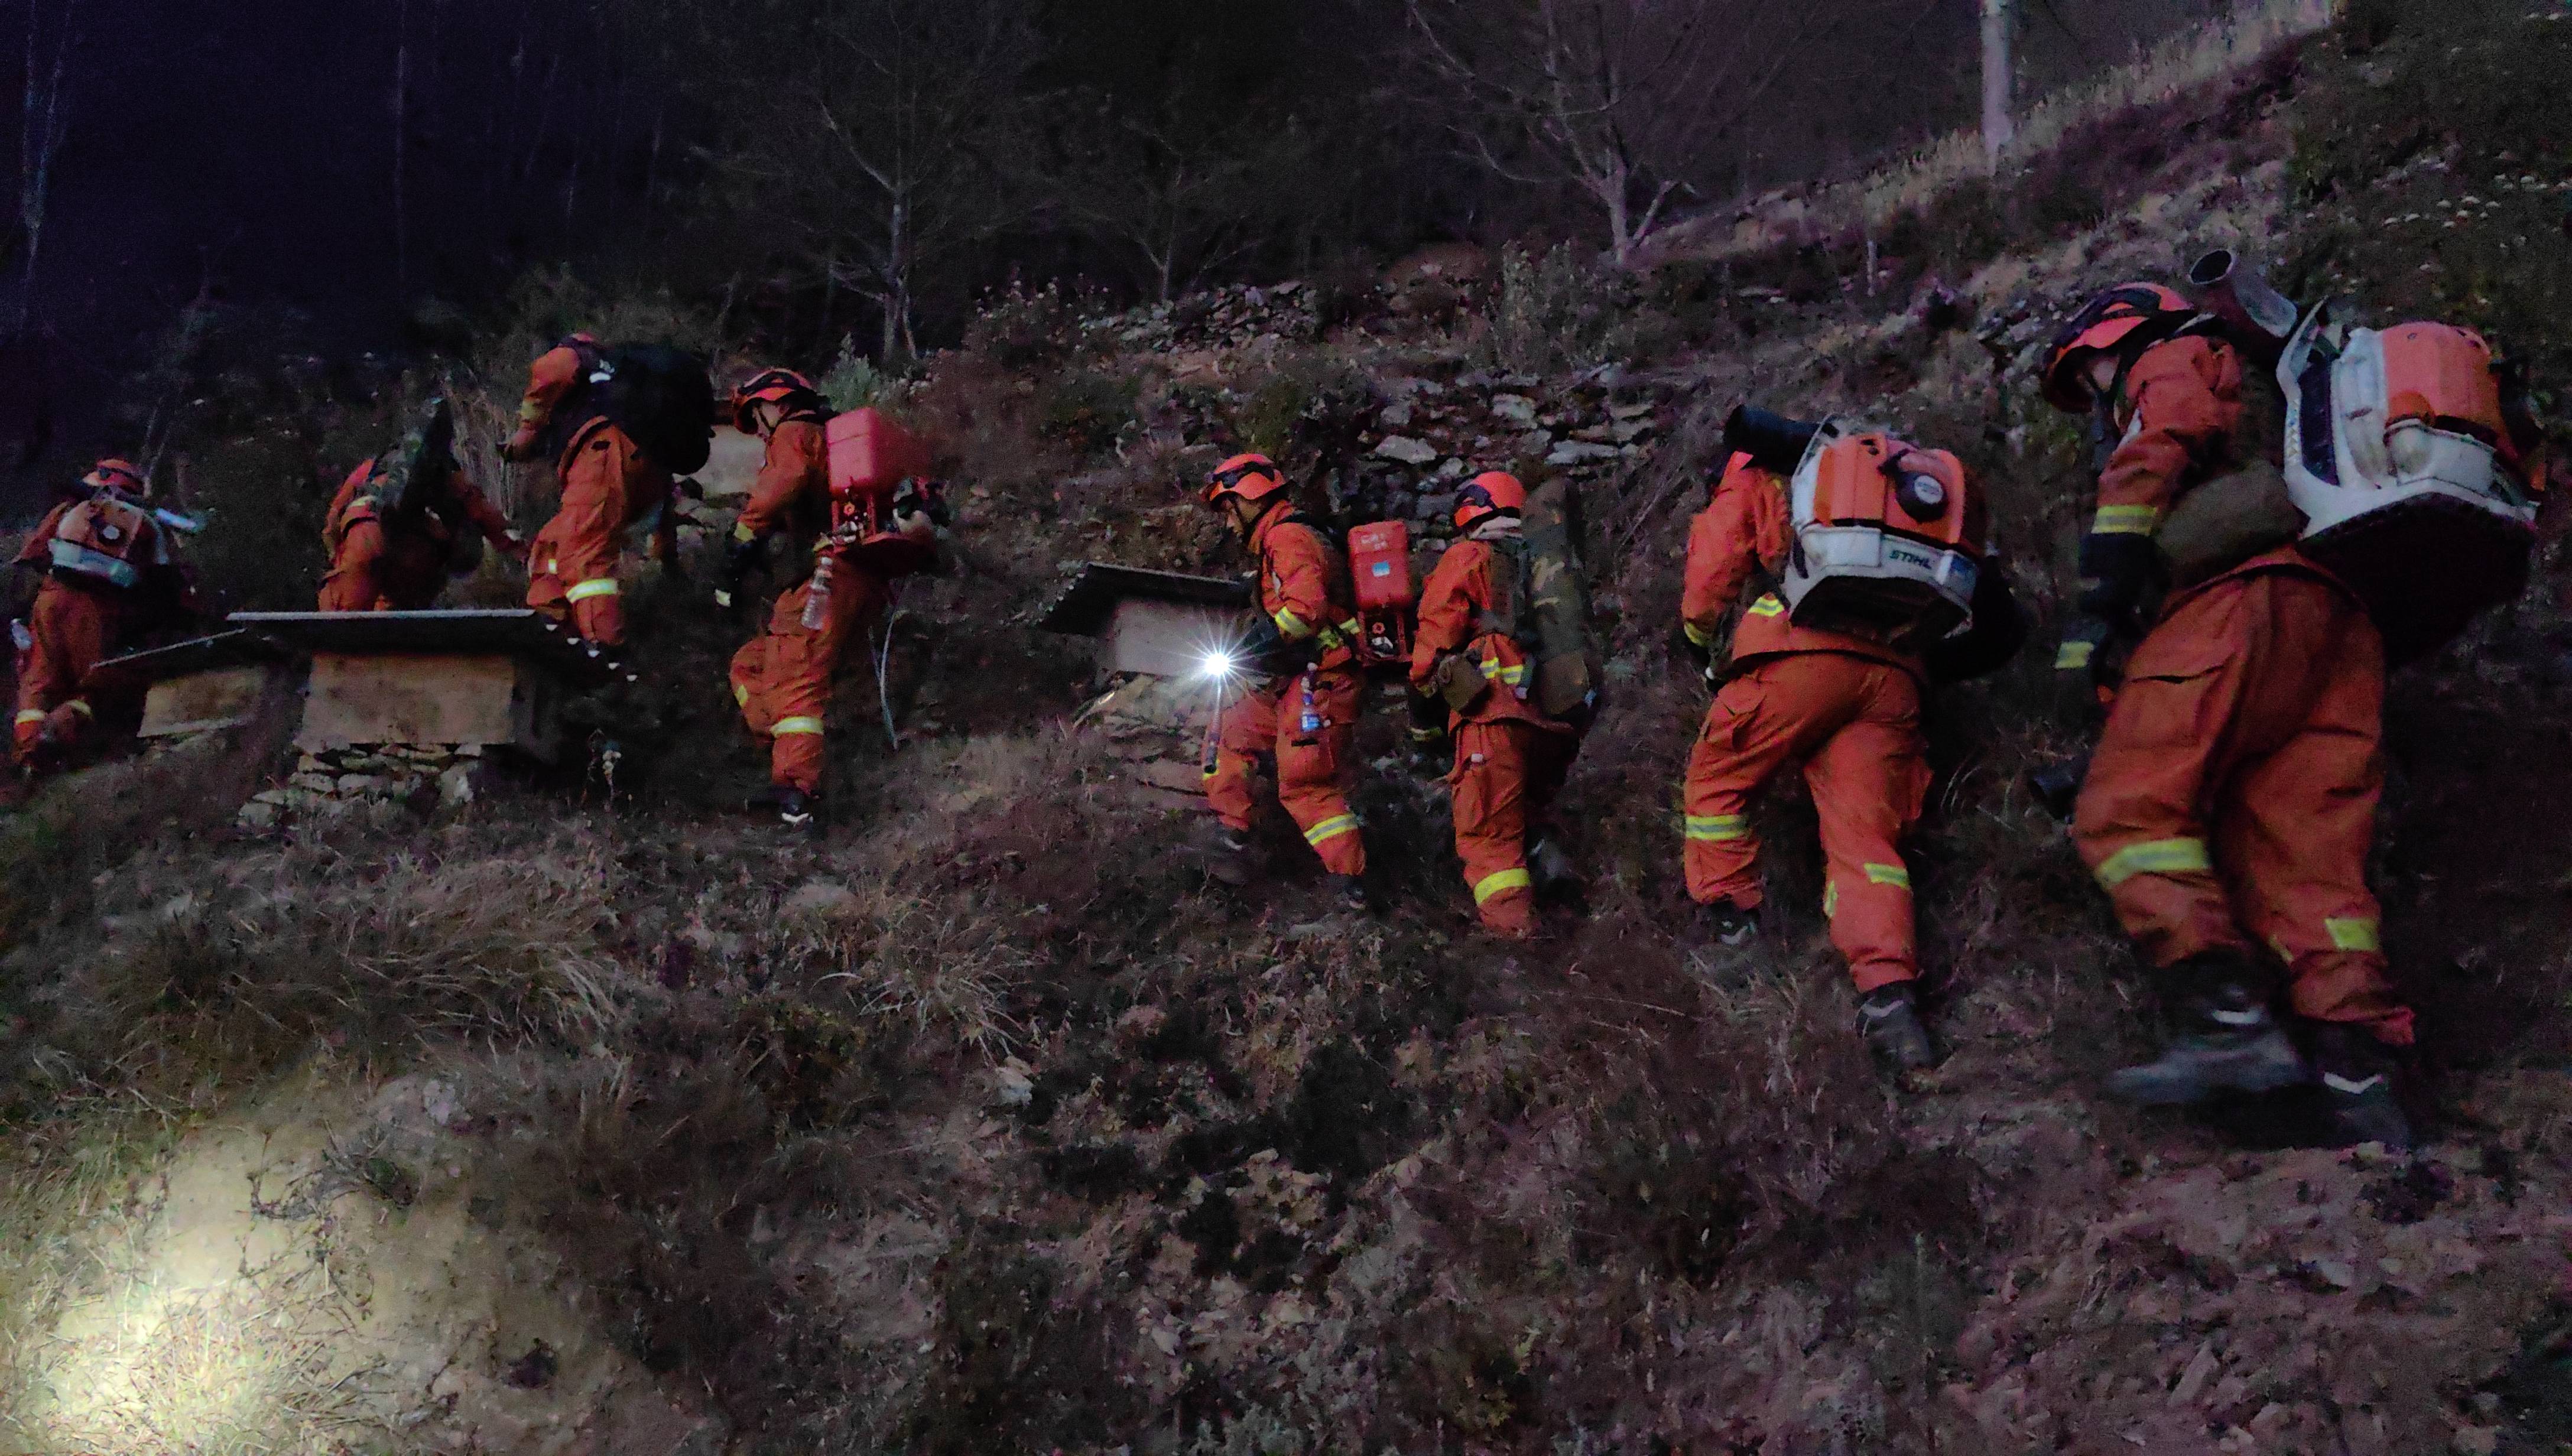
[1772, 441]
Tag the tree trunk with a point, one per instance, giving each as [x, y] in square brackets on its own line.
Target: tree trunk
[401, 147]
[1999, 124]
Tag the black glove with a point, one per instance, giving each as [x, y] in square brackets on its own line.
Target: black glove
[2117, 570]
[1265, 652]
[1700, 653]
[738, 559]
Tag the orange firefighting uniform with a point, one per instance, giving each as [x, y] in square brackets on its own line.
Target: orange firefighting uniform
[1298, 590]
[782, 678]
[2231, 798]
[1849, 708]
[608, 487]
[373, 569]
[1510, 759]
[76, 623]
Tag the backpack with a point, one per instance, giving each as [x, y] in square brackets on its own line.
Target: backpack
[1380, 572]
[107, 539]
[870, 456]
[659, 394]
[2401, 456]
[1887, 540]
[1542, 603]
[413, 476]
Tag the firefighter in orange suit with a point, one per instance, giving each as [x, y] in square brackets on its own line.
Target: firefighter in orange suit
[2231, 799]
[111, 573]
[1510, 759]
[1302, 699]
[398, 562]
[608, 485]
[1849, 709]
[782, 678]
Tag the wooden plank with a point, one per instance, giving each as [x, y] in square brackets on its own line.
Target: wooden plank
[199, 702]
[491, 701]
[1166, 638]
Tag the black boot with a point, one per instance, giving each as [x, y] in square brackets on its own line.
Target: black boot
[1889, 1017]
[1350, 892]
[797, 809]
[2360, 1078]
[2222, 1039]
[1731, 925]
[1556, 879]
[1224, 854]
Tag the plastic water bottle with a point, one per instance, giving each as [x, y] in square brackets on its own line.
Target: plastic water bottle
[817, 598]
[1311, 722]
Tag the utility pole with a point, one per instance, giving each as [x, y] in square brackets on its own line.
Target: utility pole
[1999, 125]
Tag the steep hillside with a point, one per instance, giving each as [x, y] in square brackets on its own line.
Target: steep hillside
[554, 1124]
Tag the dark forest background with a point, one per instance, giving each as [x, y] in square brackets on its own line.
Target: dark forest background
[380, 175]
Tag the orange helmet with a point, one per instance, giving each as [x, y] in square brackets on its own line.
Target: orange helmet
[115, 474]
[771, 386]
[1489, 493]
[2108, 320]
[1244, 478]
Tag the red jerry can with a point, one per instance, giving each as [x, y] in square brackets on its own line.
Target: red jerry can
[1380, 568]
[869, 454]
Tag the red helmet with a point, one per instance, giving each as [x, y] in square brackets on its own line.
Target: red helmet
[1490, 494]
[771, 386]
[115, 474]
[1244, 478]
[2107, 320]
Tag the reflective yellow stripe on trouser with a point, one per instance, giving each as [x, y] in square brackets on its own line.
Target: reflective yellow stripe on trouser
[2154, 856]
[1331, 829]
[595, 587]
[1893, 875]
[1492, 886]
[1717, 827]
[30, 715]
[787, 727]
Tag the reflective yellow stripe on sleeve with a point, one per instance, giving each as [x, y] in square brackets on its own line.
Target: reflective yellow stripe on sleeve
[742, 533]
[1894, 875]
[1490, 886]
[1331, 829]
[2126, 520]
[2074, 654]
[2353, 934]
[83, 708]
[1830, 898]
[1769, 606]
[1292, 625]
[596, 586]
[1696, 635]
[30, 715]
[788, 727]
[740, 696]
[2154, 856]
[1716, 828]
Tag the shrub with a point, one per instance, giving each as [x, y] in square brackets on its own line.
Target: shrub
[1313, 402]
[1088, 410]
[1026, 328]
[1557, 311]
[853, 382]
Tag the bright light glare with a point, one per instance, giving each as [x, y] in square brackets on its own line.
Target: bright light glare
[1218, 664]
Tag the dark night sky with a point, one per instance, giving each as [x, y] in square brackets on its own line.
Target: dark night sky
[246, 149]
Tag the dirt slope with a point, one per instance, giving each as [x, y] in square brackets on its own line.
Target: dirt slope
[982, 1125]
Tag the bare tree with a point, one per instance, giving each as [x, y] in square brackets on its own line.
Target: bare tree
[1623, 100]
[44, 122]
[1182, 199]
[1999, 124]
[884, 146]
